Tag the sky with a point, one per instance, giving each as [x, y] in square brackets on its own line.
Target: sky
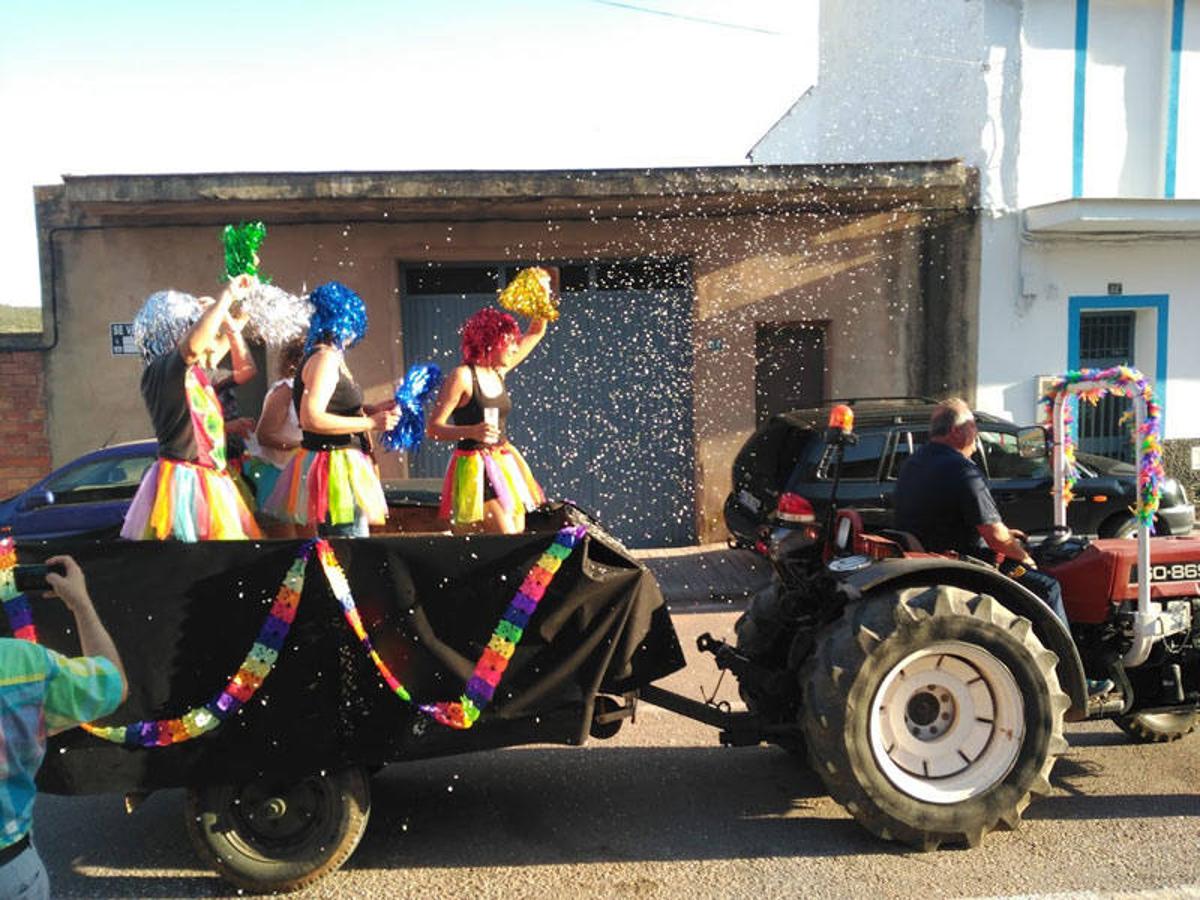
[131, 87]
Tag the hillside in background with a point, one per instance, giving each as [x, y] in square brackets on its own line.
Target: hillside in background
[20, 318]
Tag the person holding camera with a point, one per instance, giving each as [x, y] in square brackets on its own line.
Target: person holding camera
[41, 693]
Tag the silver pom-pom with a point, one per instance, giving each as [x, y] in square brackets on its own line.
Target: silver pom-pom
[164, 318]
[275, 316]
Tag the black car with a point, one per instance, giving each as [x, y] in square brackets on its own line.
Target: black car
[789, 454]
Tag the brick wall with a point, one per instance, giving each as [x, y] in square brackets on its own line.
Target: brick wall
[24, 439]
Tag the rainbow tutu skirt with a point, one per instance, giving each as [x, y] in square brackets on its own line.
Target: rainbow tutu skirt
[188, 502]
[327, 486]
[505, 470]
[263, 475]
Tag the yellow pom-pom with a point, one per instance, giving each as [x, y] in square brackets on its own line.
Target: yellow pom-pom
[530, 295]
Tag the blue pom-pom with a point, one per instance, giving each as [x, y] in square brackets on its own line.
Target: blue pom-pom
[412, 393]
[339, 315]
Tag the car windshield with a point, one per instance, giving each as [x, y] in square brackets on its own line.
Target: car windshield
[125, 471]
[1090, 464]
[860, 461]
[1002, 457]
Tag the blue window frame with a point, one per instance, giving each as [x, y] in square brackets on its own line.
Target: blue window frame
[1160, 303]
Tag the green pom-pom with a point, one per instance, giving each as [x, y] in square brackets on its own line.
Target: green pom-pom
[241, 249]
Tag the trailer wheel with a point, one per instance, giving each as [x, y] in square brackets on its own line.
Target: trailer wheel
[1158, 728]
[272, 834]
[933, 715]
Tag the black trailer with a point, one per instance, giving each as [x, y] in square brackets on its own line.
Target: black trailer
[278, 793]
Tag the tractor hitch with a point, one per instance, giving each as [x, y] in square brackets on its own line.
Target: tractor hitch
[727, 657]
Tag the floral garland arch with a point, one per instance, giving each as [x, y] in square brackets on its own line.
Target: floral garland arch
[1121, 381]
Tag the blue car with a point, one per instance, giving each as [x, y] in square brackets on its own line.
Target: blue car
[87, 497]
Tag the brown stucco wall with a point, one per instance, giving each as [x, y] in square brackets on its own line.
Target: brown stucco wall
[24, 441]
[1177, 461]
[865, 271]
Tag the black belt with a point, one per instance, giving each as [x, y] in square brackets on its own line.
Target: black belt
[12, 851]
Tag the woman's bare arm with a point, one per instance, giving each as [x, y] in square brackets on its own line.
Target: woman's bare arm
[320, 381]
[273, 421]
[530, 339]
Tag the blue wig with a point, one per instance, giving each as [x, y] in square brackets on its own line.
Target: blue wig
[339, 316]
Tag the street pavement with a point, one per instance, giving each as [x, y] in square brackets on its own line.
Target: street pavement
[662, 811]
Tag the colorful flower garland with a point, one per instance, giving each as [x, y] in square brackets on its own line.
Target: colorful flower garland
[241, 688]
[1122, 381]
[264, 653]
[494, 660]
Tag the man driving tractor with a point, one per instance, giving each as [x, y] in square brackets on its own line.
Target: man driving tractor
[942, 497]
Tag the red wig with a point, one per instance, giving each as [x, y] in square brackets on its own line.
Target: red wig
[483, 332]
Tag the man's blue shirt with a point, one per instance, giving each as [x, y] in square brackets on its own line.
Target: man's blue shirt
[942, 497]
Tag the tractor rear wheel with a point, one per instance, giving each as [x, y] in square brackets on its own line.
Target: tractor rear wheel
[1158, 728]
[764, 635]
[933, 715]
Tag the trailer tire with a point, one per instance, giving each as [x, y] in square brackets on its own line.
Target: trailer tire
[933, 715]
[275, 835]
[1158, 728]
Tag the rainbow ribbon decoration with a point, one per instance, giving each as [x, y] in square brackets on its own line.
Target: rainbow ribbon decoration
[264, 653]
[241, 688]
[492, 663]
[341, 590]
[1126, 382]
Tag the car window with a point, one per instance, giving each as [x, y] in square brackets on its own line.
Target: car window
[907, 443]
[117, 472]
[1002, 457]
[768, 458]
[860, 461]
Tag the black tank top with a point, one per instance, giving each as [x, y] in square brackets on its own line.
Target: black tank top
[471, 413]
[346, 400]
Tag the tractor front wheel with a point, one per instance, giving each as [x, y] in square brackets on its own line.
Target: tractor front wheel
[1158, 728]
[933, 715]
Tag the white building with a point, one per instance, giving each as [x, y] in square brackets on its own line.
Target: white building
[1083, 119]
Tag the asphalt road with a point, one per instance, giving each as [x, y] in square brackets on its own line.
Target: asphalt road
[663, 811]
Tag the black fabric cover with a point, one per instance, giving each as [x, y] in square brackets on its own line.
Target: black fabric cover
[184, 616]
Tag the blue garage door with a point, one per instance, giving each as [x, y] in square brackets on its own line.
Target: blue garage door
[603, 406]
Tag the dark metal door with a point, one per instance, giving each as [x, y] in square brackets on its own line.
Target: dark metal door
[1105, 339]
[789, 367]
[602, 409]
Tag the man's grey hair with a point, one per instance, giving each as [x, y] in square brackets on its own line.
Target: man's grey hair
[948, 415]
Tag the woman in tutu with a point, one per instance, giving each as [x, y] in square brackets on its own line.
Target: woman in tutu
[332, 482]
[276, 439]
[188, 494]
[488, 485]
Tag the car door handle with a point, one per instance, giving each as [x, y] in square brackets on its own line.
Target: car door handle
[1005, 496]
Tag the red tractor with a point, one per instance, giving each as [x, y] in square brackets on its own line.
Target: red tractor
[930, 692]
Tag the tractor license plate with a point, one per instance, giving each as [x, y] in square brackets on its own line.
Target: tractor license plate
[1169, 572]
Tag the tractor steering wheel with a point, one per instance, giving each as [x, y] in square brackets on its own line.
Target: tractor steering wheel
[1048, 537]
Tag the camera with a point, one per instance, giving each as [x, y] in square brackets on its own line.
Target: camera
[32, 576]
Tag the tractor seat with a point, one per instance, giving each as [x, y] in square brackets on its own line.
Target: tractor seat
[905, 539]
